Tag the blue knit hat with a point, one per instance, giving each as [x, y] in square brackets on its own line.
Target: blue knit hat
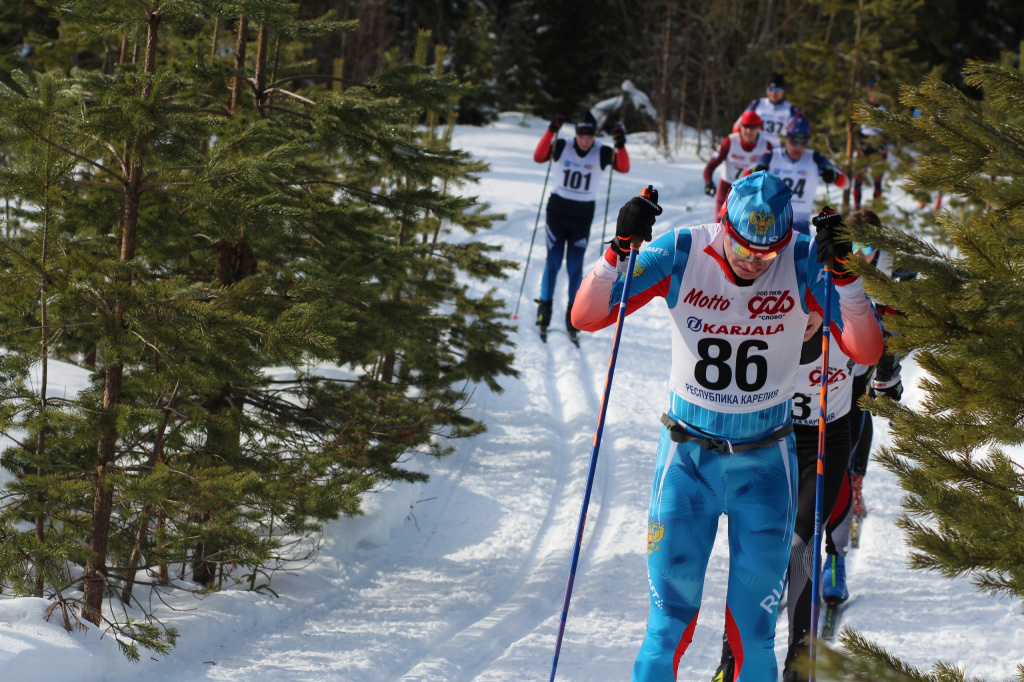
[758, 213]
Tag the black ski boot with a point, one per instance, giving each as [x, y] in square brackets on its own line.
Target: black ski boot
[797, 652]
[543, 318]
[574, 333]
[727, 668]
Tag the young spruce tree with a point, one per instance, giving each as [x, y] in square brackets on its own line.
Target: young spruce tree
[963, 512]
[253, 268]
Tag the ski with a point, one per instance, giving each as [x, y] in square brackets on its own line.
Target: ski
[834, 610]
[573, 336]
[855, 527]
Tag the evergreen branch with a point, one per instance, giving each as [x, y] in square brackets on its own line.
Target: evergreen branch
[320, 76]
[286, 111]
[24, 258]
[291, 94]
[84, 159]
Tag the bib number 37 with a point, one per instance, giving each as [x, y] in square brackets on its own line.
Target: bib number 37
[717, 368]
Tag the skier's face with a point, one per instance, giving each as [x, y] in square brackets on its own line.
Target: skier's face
[744, 268]
[795, 148]
[749, 133]
[776, 95]
[584, 142]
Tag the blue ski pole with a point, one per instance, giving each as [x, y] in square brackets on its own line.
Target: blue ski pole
[819, 483]
[634, 248]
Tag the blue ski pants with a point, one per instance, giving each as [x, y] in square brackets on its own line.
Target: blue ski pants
[567, 237]
[692, 488]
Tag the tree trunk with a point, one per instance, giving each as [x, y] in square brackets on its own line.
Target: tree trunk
[147, 510]
[261, 66]
[95, 576]
[239, 81]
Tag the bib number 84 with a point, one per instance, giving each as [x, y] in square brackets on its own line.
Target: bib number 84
[714, 371]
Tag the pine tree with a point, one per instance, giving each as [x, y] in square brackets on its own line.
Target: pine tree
[963, 315]
[254, 268]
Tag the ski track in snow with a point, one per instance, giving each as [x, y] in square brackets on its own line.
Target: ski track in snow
[462, 578]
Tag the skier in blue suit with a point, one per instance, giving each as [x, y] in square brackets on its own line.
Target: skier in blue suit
[739, 295]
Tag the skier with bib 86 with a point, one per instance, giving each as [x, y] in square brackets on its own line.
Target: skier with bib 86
[570, 211]
[739, 151]
[739, 295]
[800, 168]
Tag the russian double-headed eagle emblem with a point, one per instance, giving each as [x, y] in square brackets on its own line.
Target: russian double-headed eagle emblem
[761, 221]
[655, 533]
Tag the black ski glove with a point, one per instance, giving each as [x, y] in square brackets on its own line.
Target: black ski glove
[710, 189]
[636, 221]
[619, 135]
[829, 243]
[829, 174]
[556, 123]
[895, 391]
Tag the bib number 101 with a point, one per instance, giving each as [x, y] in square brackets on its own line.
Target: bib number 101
[715, 372]
[574, 179]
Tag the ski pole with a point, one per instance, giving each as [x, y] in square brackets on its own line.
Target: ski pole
[819, 482]
[551, 158]
[623, 301]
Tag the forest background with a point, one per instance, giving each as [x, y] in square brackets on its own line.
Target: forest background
[234, 215]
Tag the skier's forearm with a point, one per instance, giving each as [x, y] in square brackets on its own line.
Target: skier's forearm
[621, 163]
[543, 151]
[716, 159]
[591, 310]
[597, 301]
[861, 334]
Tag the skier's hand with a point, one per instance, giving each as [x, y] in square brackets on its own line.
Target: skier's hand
[829, 243]
[619, 135]
[556, 123]
[710, 189]
[895, 391]
[829, 174]
[636, 221]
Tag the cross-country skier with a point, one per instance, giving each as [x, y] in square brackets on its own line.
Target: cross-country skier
[739, 294]
[773, 110]
[836, 491]
[739, 151]
[800, 168]
[577, 176]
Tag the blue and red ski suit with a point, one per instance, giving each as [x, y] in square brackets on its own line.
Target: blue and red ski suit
[750, 369]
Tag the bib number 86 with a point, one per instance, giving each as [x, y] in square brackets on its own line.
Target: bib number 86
[714, 371]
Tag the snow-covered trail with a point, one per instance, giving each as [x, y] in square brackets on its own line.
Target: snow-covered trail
[462, 578]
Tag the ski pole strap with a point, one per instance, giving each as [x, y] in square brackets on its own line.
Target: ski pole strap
[678, 434]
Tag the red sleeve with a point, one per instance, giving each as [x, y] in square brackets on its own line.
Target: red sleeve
[717, 158]
[621, 163]
[543, 151]
[842, 182]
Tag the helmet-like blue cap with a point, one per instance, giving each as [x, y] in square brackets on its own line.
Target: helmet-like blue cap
[798, 126]
[758, 212]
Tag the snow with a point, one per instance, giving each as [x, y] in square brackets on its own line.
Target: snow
[462, 578]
